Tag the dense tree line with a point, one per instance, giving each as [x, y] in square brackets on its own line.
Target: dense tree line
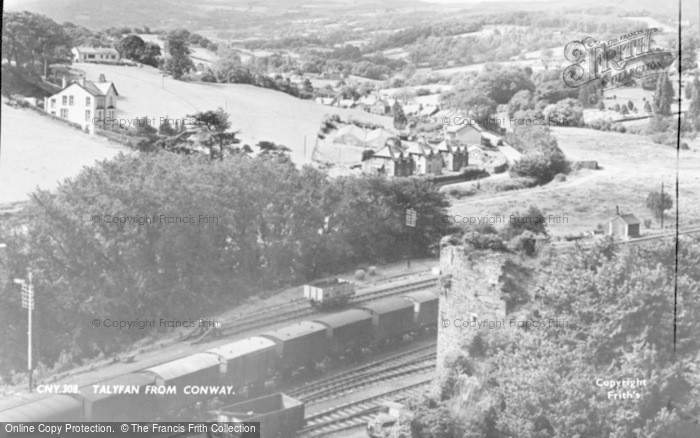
[276, 225]
[618, 305]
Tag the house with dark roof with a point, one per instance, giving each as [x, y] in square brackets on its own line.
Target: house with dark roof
[426, 159]
[623, 225]
[86, 103]
[391, 160]
[95, 54]
[454, 154]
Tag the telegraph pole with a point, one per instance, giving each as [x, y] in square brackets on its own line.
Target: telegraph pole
[28, 303]
[662, 206]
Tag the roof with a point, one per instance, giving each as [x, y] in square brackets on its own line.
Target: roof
[389, 305]
[95, 88]
[353, 130]
[88, 392]
[418, 148]
[242, 347]
[186, 365]
[421, 296]
[51, 408]
[347, 317]
[390, 151]
[459, 127]
[378, 137]
[295, 331]
[97, 50]
[629, 219]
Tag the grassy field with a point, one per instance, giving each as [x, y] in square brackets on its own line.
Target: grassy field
[40, 152]
[632, 166]
[260, 114]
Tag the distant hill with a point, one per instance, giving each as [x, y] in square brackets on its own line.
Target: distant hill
[99, 14]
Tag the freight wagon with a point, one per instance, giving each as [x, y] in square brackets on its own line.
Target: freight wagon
[243, 364]
[279, 415]
[329, 293]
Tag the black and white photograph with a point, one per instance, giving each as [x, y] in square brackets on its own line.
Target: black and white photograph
[350, 219]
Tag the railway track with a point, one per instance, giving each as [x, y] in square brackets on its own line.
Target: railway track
[300, 309]
[354, 414]
[410, 362]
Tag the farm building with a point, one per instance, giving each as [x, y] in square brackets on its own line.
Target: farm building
[95, 54]
[85, 103]
[624, 225]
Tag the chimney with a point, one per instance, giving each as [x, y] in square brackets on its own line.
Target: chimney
[63, 82]
[81, 81]
[617, 210]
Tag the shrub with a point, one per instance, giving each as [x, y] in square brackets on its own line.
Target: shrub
[560, 177]
[484, 241]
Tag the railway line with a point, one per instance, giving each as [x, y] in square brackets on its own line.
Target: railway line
[300, 309]
[403, 364]
[355, 414]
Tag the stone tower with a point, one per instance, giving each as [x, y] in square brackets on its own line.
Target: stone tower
[469, 290]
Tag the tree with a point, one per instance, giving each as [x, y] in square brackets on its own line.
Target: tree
[663, 96]
[623, 110]
[500, 83]
[568, 112]
[34, 41]
[542, 158]
[647, 107]
[617, 107]
[400, 120]
[630, 105]
[131, 47]
[601, 105]
[177, 62]
[658, 204]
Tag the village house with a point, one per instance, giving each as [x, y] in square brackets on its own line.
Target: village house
[623, 225]
[454, 155]
[95, 54]
[376, 105]
[427, 161]
[85, 103]
[467, 133]
[391, 160]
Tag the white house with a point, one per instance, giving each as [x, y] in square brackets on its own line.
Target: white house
[95, 54]
[84, 102]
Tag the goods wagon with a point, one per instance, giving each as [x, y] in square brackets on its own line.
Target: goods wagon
[40, 408]
[329, 293]
[115, 399]
[201, 369]
[279, 415]
[391, 318]
[425, 308]
[248, 362]
[348, 330]
[299, 345]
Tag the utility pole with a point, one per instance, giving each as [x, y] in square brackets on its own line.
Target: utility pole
[28, 303]
[662, 206]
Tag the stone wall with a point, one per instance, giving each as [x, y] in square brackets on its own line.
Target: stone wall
[470, 287]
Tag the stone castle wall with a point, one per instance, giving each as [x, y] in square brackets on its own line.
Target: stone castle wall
[469, 288]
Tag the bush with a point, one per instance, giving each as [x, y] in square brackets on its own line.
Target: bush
[484, 241]
[525, 243]
[560, 177]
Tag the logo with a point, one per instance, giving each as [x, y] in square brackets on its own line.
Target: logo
[616, 62]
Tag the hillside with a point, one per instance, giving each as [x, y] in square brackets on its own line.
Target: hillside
[40, 152]
[631, 167]
[259, 114]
